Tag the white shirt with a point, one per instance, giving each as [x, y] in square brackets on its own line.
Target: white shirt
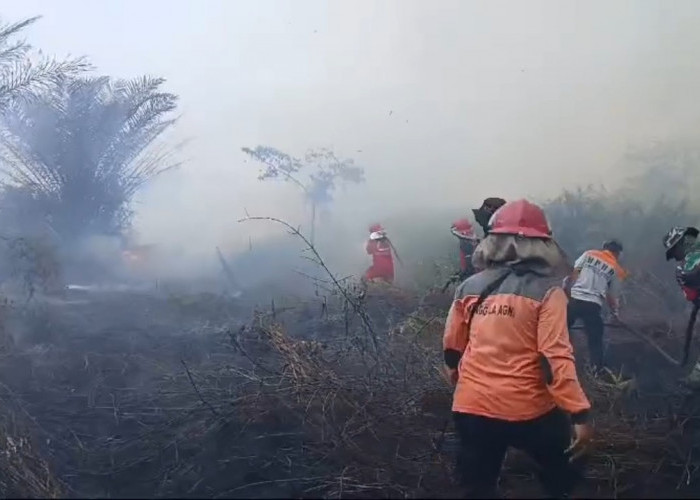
[596, 279]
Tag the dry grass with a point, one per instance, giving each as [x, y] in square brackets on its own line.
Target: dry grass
[380, 424]
[25, 473]
[349, 406]
[255, 411]
[366, 416]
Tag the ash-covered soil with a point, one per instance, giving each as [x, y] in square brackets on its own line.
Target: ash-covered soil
[156, 394]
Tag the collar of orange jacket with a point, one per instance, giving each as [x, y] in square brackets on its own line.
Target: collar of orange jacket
[609, 258]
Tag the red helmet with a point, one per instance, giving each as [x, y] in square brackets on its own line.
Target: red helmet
[376, 228]
[462, 229]
[520, 218]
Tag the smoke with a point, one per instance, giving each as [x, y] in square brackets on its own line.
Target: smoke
[442, 104]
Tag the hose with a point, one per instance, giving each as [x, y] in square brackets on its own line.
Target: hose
[642, 336]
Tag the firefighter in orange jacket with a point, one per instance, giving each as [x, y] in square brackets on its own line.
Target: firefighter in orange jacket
[507, 351]
[379, 247]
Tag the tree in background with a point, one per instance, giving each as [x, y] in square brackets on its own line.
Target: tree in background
[25, 77]
[77, 154]
[322, 170]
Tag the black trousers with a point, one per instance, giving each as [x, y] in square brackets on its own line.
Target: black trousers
[591, 314]
[484, 442]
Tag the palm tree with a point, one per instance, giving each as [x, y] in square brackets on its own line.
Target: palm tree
[80, 153]
[21, 74]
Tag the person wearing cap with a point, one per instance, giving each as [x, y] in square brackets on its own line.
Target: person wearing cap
[508, 355]
[478, 218]
[471, 230]
[682, 245]
[595, 281]
[379, 247]
[483, 214]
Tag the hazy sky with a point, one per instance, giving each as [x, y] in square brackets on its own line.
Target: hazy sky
[444, 102]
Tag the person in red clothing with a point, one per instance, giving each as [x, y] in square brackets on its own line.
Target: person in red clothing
[468, 240]
[379, 247]
[508, 354]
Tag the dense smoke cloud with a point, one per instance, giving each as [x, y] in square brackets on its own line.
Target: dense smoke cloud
[443, 104]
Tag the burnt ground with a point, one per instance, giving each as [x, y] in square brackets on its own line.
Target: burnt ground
[143, 395]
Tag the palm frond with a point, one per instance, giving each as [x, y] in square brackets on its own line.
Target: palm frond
[8, 30]
[25, 77]
[11, 53]
[87, 147]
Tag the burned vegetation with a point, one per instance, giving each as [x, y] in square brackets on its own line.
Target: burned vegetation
[168, 394]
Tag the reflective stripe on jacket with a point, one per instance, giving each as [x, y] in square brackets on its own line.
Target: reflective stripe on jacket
[517, 361]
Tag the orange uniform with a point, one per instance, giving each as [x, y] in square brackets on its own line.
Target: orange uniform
[516, 359]
[507, 349]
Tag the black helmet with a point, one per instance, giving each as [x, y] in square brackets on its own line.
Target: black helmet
[612, 246]
[674, 237]
[493, 203]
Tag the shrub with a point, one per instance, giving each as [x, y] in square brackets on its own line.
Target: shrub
[32, 263]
